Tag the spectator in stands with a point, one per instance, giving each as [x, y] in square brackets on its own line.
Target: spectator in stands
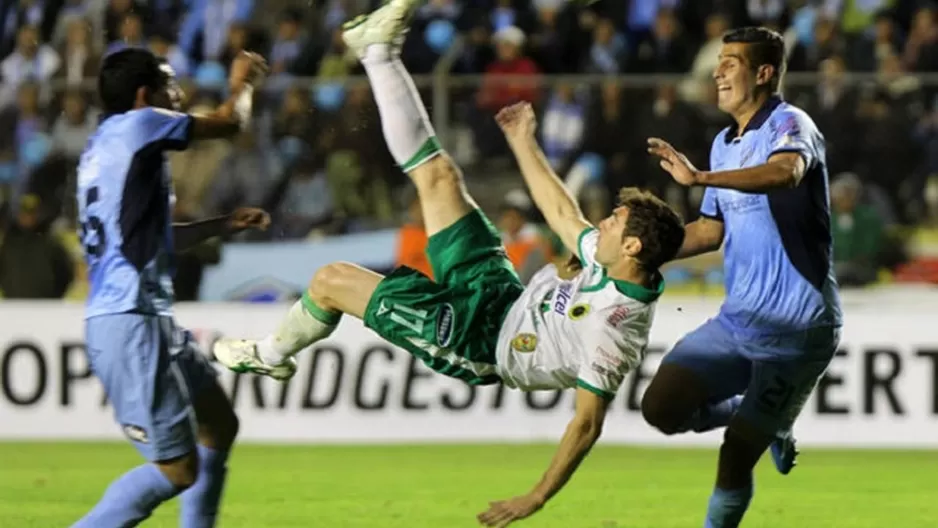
[236, 41]
[33, 263]
[665, 50]
[769, 13]
[611, 134]
[833, 104]
[866, 54]
[336, 65]
[30, 61]
[858, 233]
[903, 90]
[195, 168]
[130, 34]
[559, 40]
[80, 59]
[247, 176]
[204, 32]
[563, 127]
[921, 48]
[71, 11]
[807, 56]
[72, 129]
[29, 122]
[412, 237]
[608, 54]
[668, 115]
[295, 124]
[886, 148]
[497, 91]
[116, 12]
[701, 72]
[162, 45]
[288, 43]
[527, 249]
[308, 206]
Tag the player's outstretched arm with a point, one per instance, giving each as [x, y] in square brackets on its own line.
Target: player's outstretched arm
[701, 236]
[187, 235]
[552, 198]
[578, 439]
[247, 72]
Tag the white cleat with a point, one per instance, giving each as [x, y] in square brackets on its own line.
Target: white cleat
[240, 355]
[388, 24]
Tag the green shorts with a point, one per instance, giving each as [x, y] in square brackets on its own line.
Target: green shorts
[452, 324]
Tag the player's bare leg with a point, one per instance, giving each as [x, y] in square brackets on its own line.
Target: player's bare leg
[345, 288]
[410, 137]
[336, 289]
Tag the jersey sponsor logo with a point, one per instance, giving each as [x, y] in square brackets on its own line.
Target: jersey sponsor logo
[136, 433]
[562, 297]
[579, 311]
[524, 343]
[444, 325]
[618, 316]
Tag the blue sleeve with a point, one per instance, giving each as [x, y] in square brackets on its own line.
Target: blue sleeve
[791, 130]
[165, 129]
[709, 206]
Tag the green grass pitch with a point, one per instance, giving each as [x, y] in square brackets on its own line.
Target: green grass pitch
[50, 485]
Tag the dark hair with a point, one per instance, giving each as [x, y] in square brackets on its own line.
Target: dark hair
[763, 46]
[123, 73]
[655, 224]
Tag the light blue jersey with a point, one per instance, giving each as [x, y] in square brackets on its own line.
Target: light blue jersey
[777, 245]
[125, 211]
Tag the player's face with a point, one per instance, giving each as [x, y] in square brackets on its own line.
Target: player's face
[611, 230]
[734, 78]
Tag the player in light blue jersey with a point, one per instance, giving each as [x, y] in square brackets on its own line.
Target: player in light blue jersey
[753, 366]
[163, 390]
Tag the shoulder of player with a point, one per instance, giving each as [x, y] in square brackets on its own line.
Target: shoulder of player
[720, 139]
[788, 115]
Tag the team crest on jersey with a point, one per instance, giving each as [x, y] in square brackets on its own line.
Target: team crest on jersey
[524, 343]
[579, 311]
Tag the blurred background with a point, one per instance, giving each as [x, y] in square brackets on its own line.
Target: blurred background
[603, 79]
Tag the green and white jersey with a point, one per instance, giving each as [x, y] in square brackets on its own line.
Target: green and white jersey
[587, 332]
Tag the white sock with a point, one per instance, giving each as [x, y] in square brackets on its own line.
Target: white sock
[404, 120]
[304, 324]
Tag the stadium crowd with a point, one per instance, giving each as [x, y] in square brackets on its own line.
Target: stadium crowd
[316, 159]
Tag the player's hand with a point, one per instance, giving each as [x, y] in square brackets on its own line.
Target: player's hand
[248, 218]
[677, 164]
[503, 513]
[247, 68]
[517, 121]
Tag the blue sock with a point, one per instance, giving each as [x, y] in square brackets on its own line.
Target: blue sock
[727, 507]
[714, 416]
[130, 499]
[199, 504]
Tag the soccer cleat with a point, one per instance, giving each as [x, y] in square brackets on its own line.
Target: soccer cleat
[240, 355]
[388, 24]
[784, 453]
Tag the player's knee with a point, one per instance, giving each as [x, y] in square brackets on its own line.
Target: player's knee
[329, 279]
[661, 415]
[436, 174]
[221, 432]
[181, 472]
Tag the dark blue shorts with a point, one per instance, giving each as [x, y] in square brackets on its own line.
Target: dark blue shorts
[151, 371]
